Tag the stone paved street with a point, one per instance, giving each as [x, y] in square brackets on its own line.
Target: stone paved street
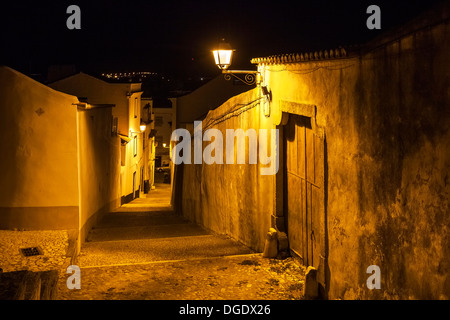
[143, 251]
[244, 277]
[54, 246]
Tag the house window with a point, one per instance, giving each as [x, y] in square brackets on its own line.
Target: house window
[148, 107]
[136, 107]
[114, 124]
[135, 146]
[158, 121]
[123, 154]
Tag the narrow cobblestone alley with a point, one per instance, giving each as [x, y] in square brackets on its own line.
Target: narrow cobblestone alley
[145, 251]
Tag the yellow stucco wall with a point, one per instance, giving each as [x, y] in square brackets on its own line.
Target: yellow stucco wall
[98, 92]
[386, 122]
[232, 199]
[39, 144]
[62, 162]
[123, 96]
[99, 163]
[134, 158]
[196, 104]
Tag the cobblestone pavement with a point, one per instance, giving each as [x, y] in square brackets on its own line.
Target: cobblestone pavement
[243, 277]
[138, 254]
[53, 246]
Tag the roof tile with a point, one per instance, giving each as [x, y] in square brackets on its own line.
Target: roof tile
[302, 57]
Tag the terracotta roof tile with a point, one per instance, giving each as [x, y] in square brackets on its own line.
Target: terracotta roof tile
[303, 57]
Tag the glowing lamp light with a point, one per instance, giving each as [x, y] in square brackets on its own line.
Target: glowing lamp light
[142, 126]
[223, 55]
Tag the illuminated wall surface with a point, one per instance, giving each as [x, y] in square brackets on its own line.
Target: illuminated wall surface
[98, 92]
[63, 164]
[99, 167]
[123, 96]
[382, 118]
[39, 187]
[195, 105]
[148, 148]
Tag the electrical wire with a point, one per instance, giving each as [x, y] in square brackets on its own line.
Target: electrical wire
[233, 112]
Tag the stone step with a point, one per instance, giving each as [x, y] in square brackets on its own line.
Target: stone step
[135, 219]
[152, 231]
[124, 252]
[132, 207]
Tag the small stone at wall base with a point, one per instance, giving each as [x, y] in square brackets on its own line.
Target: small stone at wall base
[311, 287]
[271, 244]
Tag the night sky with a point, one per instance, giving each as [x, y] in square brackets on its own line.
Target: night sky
[176, 37]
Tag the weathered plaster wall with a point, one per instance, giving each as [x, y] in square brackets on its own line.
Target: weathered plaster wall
[39, 187]
[406, 163]
[231, 199]
[99, 161]
[386, 120]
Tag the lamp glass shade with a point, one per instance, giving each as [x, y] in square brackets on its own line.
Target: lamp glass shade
[142, 127]
[223, 55]
[223, 58]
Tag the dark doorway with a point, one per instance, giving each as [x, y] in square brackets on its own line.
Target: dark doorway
[157, 161]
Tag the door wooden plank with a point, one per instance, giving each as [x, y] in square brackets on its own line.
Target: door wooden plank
[301, 158]
[309, 155]
[294, 190]
[295, 222]
[309, 226]
[319, 161]
[316, 201]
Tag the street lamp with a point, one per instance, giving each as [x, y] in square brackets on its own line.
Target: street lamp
[223, 55]
[142, 127]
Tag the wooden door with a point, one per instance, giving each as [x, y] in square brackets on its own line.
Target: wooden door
[304, 165]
